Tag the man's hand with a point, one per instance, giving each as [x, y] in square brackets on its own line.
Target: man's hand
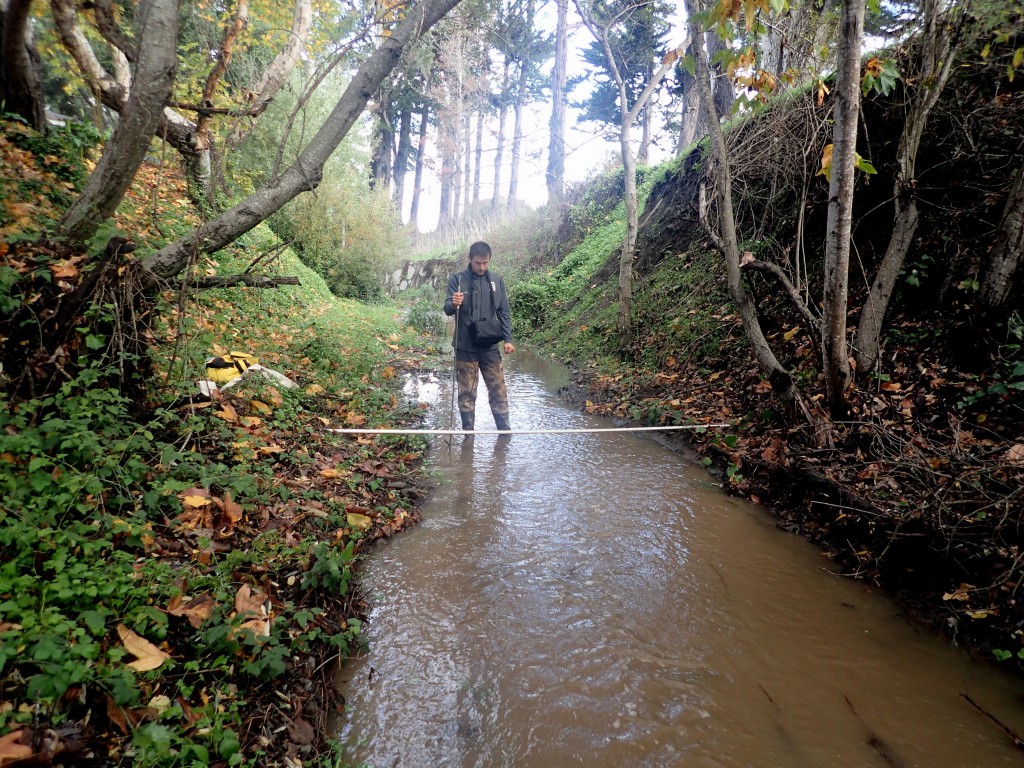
[509, 349]
[457, 299]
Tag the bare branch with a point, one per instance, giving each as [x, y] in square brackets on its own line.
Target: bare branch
[277, 73]
[107, 25]
[791, 290]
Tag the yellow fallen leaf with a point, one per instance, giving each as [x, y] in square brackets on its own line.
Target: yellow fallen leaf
[148, 656]
[195, 501]
[315, 389]
[160, 703]
[788, 335]
[362, 522]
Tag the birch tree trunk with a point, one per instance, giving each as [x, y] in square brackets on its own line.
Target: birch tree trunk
[937, 56]
[154, 78]
[836, 362]
[306, 172]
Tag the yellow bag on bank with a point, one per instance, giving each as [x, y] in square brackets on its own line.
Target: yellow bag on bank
[229, 367]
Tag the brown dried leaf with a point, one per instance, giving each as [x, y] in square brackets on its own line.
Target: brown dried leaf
[148, 656]
[197, 610]
[11, 750]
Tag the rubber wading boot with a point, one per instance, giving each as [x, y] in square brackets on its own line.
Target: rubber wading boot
[468, 417]
[501, 421]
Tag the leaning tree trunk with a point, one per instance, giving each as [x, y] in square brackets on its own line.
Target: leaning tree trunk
[728, 241]
[177, 130]
[306, 173]
[154, 77]
[836, 362]
[937, 57]
[21, 91]
[1006, 253]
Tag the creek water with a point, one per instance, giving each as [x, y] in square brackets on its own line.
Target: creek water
[595, 599]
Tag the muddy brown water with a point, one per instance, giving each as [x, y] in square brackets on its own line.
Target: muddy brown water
[595, 599]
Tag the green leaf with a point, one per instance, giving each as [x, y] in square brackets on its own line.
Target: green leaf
[865, 166]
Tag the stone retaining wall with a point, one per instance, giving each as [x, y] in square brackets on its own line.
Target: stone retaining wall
[413, 274]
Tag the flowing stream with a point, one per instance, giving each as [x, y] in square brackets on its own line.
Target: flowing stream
[595, 599]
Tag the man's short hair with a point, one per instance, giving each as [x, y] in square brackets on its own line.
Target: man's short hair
[479, 248]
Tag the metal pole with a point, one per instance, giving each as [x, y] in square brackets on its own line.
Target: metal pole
[455, 363]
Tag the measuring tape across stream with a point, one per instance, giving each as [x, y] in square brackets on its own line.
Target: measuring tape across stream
[355, 431]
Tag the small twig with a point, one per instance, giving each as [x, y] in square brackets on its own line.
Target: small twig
[1017, 741]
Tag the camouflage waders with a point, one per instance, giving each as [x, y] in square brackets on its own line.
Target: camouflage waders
[468, 373]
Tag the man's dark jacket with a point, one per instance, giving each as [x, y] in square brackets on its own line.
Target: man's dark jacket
[476, 304]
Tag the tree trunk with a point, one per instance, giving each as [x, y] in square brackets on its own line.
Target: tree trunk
[555, 176]
[624, 320]
[643, 154]
[467, 157]
[499, 150]
[517, 138]
[154, 77]
[1006, 253]
[402, 158]
[602, 34]
[836, 362]
[690, 113]
[383, 144]
[203, 134]
[478, 164]
[721, 85]
[728, 241]
[937, 57]
[421, 155]
[21, 91]
[175, 129]
[306, 172]
[447, 175]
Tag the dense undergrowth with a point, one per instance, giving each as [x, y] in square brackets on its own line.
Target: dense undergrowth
[176, 583]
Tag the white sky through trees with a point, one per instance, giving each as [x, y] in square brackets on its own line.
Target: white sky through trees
[590, 147]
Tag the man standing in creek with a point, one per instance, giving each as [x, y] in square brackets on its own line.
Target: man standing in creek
[477, 298]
